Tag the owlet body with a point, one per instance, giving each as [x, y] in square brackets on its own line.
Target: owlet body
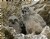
[13, 22]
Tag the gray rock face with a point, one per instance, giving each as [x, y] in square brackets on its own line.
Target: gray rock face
[42, 35]
[21, 36]
[46, 30]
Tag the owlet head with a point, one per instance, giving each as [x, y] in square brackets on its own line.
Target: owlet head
[13, 19]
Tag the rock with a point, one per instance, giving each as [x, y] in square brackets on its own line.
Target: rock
[34, 3]
[35, 37]
[39, 37]
[19, 36]
[5, 33]
[46, 30]
[40, 8]
[30, 4]
[48, 35]
[22, 36]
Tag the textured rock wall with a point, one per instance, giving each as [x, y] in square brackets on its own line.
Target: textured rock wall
[12, 33]
[34, 23]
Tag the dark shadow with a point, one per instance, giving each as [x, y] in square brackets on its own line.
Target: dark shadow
[23, 28]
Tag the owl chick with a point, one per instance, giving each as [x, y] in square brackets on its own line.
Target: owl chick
[14, 22]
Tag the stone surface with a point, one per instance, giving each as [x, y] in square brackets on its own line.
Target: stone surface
[40, 37]
[35, 25]
[21, 36]
[43, 35]
[46, 30]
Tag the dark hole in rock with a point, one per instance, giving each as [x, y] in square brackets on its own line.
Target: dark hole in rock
[23, 28]
[6, 0]
[37, 33]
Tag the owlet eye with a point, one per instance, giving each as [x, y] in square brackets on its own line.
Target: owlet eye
[15, 20]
